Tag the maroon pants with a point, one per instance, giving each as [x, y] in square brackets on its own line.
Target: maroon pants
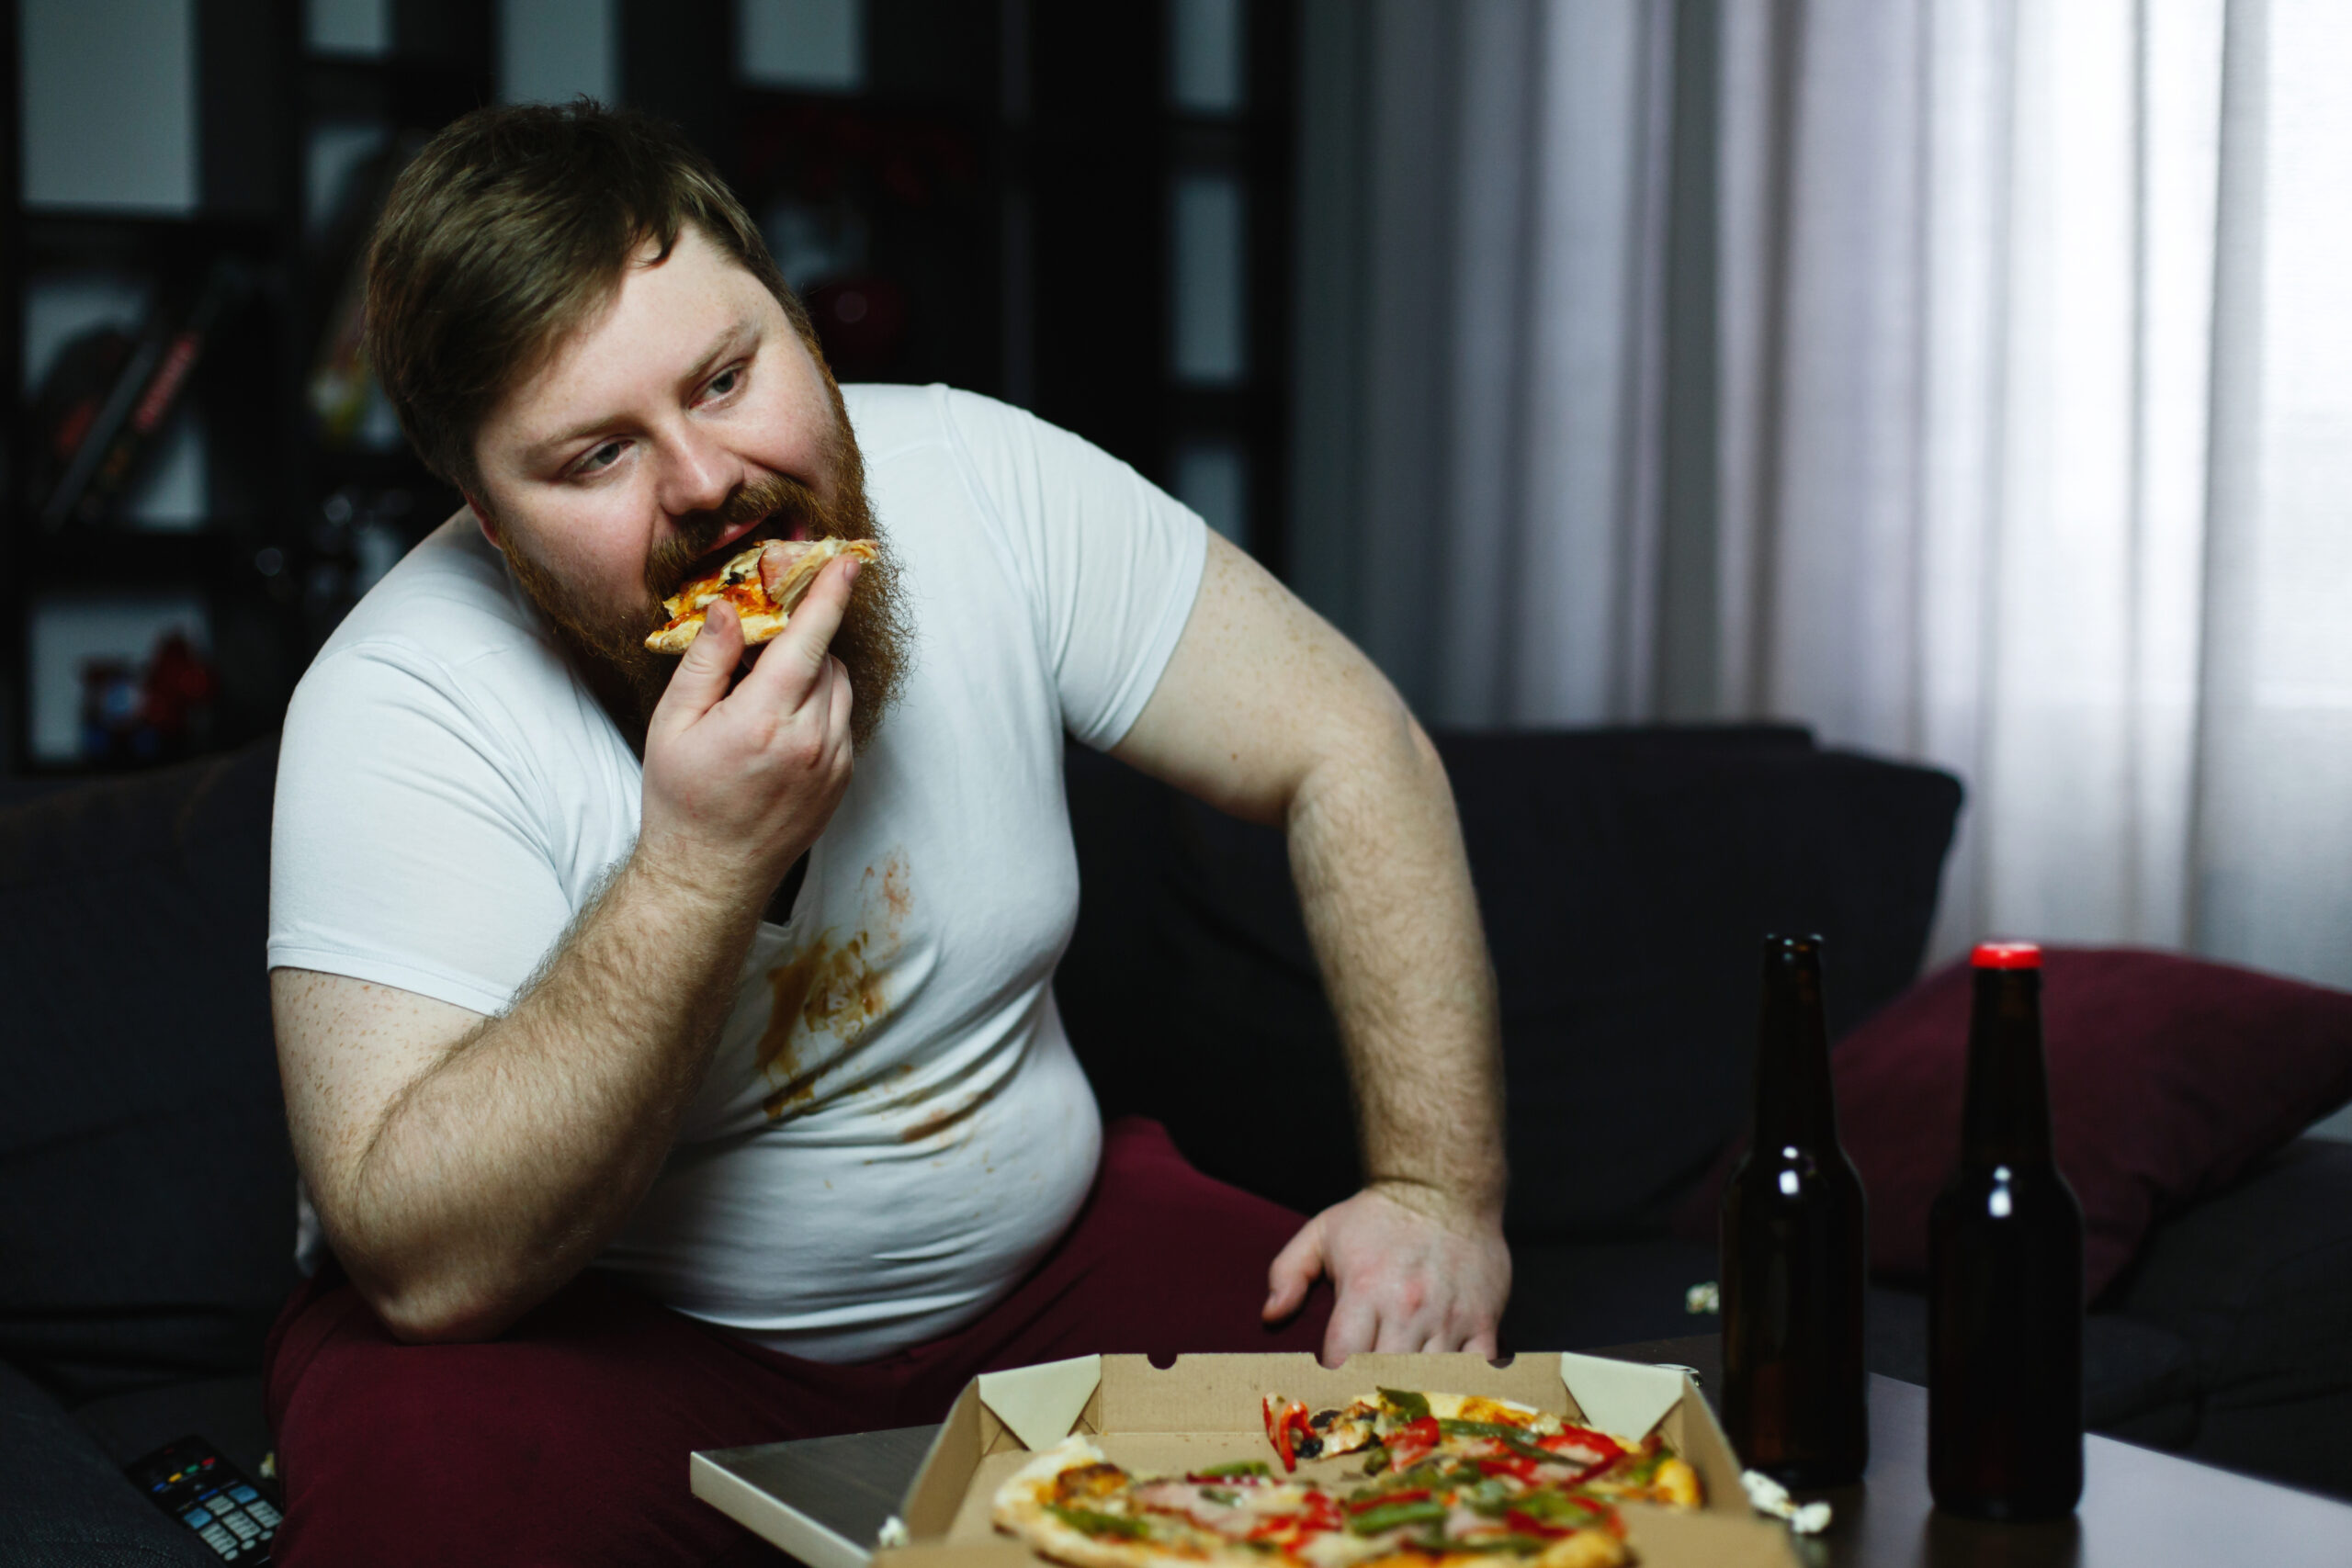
[565, 1442]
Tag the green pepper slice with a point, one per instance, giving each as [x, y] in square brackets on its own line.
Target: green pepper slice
[1388, 1516]
[1088, 1522]
[1407, 1405]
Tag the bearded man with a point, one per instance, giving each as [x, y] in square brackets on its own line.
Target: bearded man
[668, 1043]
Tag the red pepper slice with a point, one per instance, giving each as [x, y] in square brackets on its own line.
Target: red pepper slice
[1600, 1445]
[1581, 1440]
[1523, 1524]
[1321, 1513]
[1521, 1469]
[1382, 1500]
[1294, 1421]
[1279, 1427]
[1413, 1443]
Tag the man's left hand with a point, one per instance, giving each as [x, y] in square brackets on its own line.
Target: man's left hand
[1412, 1273]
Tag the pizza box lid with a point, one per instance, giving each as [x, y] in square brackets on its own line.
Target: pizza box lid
[1204, 1410]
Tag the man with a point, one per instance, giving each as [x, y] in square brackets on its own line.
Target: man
[669, 1044]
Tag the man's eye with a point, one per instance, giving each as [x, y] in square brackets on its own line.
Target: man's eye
[604, 456]
[726, 381]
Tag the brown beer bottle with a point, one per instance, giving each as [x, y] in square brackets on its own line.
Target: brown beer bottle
[1795, 1402]
[2005, 1275]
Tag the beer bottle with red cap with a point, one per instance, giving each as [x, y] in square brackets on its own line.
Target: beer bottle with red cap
[2004, 1274]
[1795, 1398]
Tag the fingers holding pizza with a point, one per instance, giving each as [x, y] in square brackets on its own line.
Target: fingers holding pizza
[1406, 1279]
[738, 782]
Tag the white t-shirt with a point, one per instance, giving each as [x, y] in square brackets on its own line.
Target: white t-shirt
[878, 1160]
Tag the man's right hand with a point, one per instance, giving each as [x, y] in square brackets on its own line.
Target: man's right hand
[737, 783]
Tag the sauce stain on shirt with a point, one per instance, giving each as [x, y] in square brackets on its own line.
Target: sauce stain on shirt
[828, 988]
[940, 1121]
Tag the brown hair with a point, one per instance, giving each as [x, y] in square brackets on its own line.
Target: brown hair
[509, 230]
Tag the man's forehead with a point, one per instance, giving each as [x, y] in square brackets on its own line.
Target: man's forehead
[669, 320]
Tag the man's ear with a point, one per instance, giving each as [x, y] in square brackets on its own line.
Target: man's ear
[482, 516]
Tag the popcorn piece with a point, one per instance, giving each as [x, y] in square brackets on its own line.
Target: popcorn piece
[1767, 1496]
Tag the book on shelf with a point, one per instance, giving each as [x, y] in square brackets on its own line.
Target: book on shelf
[98, 441]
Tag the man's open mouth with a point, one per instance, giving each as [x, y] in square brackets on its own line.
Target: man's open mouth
[735, 541]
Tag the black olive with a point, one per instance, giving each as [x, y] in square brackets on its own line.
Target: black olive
[1322, 1419]
[1305, 1448]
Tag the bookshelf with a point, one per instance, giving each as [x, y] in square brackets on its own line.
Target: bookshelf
[243, 526]
[1079, 207]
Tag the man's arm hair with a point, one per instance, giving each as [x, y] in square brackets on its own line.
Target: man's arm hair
[1268, 713]
[464, 1167]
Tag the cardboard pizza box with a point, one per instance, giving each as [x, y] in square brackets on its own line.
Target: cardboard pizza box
[1203, 1411]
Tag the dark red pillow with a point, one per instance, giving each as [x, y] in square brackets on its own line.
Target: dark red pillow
[2169, 1076]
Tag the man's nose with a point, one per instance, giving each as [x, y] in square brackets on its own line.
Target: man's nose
[697, 473]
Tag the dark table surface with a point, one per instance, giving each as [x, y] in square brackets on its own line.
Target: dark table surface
[2141, 1507]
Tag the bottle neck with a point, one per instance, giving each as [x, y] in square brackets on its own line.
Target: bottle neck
[1794, 1104]
[2006, 1116]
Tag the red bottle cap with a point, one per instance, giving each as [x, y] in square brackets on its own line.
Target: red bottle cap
[2007, 955]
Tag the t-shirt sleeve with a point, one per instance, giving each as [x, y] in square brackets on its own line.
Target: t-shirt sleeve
[406, 848]
[1110, 562]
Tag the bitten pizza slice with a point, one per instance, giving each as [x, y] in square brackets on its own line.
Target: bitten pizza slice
[765, 584]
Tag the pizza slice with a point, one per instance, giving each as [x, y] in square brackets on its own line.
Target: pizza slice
[1403, 1429]
[766, 583]
[1073, 1506]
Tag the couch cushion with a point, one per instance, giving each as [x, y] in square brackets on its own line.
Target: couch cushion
[2256, 1280]
[67, 1505]
[1624, 877]
[148, 1218]
[225, 1412]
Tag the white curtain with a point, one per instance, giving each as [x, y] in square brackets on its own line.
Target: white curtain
[1970, 379]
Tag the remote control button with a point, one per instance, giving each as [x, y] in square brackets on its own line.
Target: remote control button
[221, 1541]
[264, 1512]
[246, 1529]
[242, 1493]
[197, 1519]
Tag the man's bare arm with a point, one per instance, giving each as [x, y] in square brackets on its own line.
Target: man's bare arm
[1268, 713]
[463, 1180]
[466, 1168]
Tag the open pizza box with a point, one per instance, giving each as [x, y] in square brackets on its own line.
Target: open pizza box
[1203, 1411]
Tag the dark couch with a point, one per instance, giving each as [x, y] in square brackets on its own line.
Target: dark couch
[147, 1228]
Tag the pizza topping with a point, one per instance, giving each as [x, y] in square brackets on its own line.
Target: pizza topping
[1408, 1405]
[1392, 1512]
[1585, 1443]
[1211, 1507]
[1088, 1522]
[1088, 1481]
[1414, 1442]
[1293, 1439]
[766, 583]
[1452, 1479]
[1242, 1473]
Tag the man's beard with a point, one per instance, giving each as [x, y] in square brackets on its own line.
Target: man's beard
[628, 678]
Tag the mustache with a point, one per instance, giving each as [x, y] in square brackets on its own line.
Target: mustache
[784, 501]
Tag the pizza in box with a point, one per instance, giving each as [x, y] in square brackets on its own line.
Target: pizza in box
[1433, 1481]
